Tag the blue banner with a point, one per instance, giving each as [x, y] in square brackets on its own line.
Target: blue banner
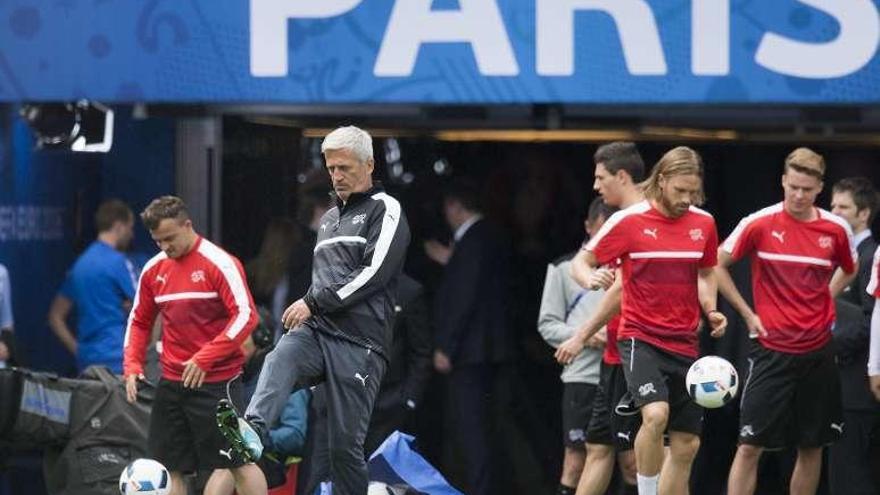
[441, 51]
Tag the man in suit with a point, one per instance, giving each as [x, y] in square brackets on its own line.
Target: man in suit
[855, 200]
[471, 332]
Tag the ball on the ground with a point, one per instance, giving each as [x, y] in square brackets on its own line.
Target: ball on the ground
[712, 381]
[144, 477]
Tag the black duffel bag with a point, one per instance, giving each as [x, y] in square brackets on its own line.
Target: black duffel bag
[34, 408]
[106, 433]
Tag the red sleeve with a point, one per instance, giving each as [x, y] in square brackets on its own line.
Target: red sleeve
[873, 283]
[140, 325]
[227, 276]
[846, 253]
[710, 251]
[741, 241]
[612, 240]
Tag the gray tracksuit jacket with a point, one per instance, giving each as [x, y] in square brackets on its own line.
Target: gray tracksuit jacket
[566, 305]
[358, 257]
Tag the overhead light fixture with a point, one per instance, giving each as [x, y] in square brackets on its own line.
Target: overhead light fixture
[80, 126]
[397, 173]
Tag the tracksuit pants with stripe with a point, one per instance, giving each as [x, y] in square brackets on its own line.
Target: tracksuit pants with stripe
[351, 375]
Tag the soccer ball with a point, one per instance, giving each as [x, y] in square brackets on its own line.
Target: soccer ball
[712, 381]
[379, 488]
[144, 477]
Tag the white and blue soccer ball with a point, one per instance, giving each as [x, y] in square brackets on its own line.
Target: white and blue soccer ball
[144, 477]
[379, 488]
[712, 381]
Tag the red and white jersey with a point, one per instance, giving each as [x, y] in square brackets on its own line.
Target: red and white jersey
[661, 258]
[792, 264]
[612, 354]
[873, 287]
[207, 313]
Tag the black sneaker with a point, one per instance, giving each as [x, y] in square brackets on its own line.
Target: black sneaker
[243, 439]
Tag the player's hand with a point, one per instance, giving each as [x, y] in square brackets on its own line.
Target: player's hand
[442, 363]
[875, 386]
[569, 350]
[295, 314]
[601, 278]
[192, 376]
[598, 340]
[753, 323]
[4, 352]
[717, 323]
[438, 252]
[131, 388]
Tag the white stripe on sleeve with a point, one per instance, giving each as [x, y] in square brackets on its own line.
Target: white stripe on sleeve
[230, 272]
[729, 244]
[389, 227]
[614, 220]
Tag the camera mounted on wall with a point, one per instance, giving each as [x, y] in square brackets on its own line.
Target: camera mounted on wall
[83, 125]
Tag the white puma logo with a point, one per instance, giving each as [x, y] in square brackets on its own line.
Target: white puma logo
[778, 235]
[226, 453]
[161, 278]
[651, 232]
[623, 435]
[838, 427]
[363, 378]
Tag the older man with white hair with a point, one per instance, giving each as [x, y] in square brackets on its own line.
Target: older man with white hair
[339, 333]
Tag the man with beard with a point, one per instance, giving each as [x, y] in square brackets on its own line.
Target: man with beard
[668, 248]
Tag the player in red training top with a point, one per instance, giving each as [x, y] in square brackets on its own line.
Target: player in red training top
[619, 169]
[792, 393]
[668, 248]
[207, 313]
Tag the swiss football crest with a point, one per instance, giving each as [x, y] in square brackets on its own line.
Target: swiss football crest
[696, 234]
[197, 276]
[825, 242]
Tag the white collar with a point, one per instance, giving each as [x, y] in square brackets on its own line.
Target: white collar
[463, 228]
[861, 236]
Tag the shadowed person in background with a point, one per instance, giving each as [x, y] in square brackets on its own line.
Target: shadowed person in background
[850, 459]
[472, 336]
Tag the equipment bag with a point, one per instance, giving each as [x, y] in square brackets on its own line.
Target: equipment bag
[106, 433]
[35, 411]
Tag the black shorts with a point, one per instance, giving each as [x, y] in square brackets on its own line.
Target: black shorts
[655, 375]
[607, 427]
[791, 399]
[183, 433]
[577, 407]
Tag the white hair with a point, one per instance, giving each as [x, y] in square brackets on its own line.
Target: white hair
[350, 138]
